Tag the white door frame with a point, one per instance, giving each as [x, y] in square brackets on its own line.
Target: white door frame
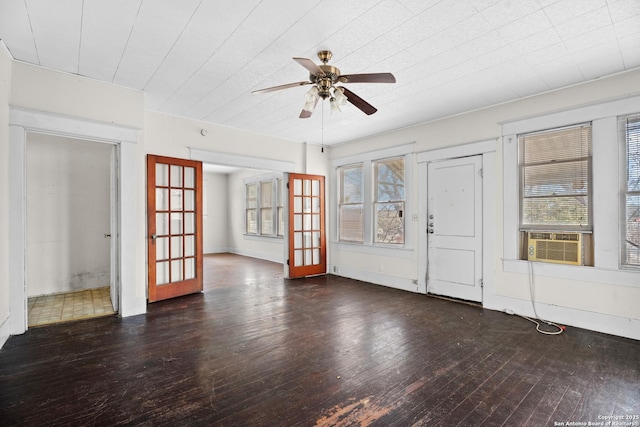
[22, 121]
[487, 150]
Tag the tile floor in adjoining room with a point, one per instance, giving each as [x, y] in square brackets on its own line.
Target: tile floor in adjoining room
[63, 307]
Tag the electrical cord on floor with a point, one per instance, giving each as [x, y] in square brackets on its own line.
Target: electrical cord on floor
[537, 319]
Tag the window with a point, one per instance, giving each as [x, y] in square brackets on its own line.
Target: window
[389, 200]
[630, 127]
[264, 206]
[555, 179]
[351, 204]
[251, 193]
[280, 205]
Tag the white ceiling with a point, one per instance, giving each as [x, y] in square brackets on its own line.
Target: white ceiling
[202, 58]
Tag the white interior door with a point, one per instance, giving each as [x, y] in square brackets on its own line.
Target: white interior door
[455, 228]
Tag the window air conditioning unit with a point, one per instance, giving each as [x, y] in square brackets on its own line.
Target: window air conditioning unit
[556, 247]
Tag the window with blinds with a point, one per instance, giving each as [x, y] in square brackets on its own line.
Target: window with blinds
[555, 179]
[389, 200]
[630, 135]
[251, 207]
[351, 204]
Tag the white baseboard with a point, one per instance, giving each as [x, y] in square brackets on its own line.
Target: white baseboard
[599, 322]
[389, 281]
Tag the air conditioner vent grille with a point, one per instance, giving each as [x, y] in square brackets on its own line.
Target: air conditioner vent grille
[563, 248]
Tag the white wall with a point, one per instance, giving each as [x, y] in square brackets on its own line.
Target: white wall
[215, 218]
[269, 248]
[68, 213]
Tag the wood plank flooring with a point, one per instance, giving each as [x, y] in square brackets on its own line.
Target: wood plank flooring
[256, 350]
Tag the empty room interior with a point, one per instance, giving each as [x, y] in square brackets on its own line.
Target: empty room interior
[285, 213]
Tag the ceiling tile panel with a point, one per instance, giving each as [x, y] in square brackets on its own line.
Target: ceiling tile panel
[584, 24]
[57, 31]
[567, 10]
[15, 31]
[105, 30]
[506, 11]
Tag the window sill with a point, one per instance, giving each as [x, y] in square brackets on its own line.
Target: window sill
[261, 237]
[620, 277]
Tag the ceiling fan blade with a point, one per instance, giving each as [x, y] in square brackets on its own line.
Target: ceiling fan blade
[274, 88]
[368, 78]
[310, 65]
[305, 114]
[366, 108]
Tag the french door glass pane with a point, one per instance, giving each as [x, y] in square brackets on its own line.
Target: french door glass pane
[162, 175]
[189, 246]
[162, 199]
[189, 268]
[189, 177]
[176, 176]
[162, 273]
[176, 247]
[189, 200]
[189, 223]
[297, 258]
[176, 200]
[176, 223]
[162, 248]
[162, 224]
[176, 270]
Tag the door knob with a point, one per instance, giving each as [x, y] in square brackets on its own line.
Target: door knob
[106, 235]
[430, 231]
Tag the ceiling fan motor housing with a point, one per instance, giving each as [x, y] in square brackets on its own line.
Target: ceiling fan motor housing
[325, 82]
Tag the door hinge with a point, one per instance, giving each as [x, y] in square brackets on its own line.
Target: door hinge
[480, 172]
[287, 185]
[287, 262]
[481, 283]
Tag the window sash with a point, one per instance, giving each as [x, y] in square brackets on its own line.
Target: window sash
[630, 194]
[350, 204]
[555, 179]
[389, 201]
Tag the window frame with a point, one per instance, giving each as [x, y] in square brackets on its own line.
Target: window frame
[366, 159]
[624, 186]
[274, 207]
[377, 202]
[342, 203]
[524, 166]
[606, 175]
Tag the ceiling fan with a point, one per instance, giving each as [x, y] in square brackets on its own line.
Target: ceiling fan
[324, 77]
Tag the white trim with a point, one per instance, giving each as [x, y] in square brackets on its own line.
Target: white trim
[226, 159]
[606, 173]
[487, 150]
[371, 277]
[463, 150]
[22, 121]
[397, 151]
[568, 117]
[68, 126]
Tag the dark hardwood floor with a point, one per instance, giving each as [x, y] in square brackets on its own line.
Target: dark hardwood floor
[257, 350]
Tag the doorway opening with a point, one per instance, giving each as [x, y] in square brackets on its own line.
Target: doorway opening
[70, 220]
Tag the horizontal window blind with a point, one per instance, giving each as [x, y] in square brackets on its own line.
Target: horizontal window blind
[350, 211]
[555, 179]
[630, 212]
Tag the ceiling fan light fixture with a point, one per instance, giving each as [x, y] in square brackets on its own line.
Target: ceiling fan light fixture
[310, 99]
[340, 97]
